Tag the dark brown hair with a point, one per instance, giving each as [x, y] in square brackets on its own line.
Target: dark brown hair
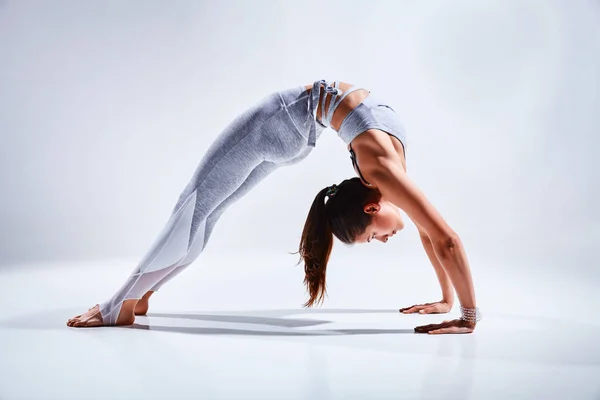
[343, 216]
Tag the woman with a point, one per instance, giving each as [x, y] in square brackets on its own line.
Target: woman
[281, 130]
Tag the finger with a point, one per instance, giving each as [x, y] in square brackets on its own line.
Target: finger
[422, 328]
[429, 310]
[452, 330]
[418, 305]
[405, 308]
[414, 308]
[426, 328]
[409, 310]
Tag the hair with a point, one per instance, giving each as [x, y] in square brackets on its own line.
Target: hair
[343, 216]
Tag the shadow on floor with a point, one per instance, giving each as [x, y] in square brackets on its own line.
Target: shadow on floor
[268, 322]
[269, 318]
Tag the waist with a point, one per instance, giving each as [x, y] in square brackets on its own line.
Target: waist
[341, 108]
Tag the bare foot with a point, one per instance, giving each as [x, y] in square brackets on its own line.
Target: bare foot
[141, 308]
[93, 318]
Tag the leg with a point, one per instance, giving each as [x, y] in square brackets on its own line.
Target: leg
[226, 166]
[206, 228]
[265, 132]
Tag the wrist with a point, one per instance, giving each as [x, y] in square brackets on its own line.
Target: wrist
[472, 315]
[448, 299]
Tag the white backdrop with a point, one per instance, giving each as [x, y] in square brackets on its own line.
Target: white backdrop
[107, 107]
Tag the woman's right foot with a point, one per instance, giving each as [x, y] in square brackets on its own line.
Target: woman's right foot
[93, 317]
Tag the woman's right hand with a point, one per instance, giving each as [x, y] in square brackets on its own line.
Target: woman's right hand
[438, 307]
[453, 326]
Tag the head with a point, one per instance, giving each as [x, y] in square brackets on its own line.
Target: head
[350, 211]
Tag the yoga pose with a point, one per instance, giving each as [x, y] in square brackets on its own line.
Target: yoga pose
[282, 129]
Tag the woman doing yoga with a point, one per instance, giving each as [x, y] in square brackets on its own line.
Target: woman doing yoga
[282, 129]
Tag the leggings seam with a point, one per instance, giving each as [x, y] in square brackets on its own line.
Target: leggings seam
[230, 149]
[295, 101]
[295, 126]
[285, 106]
[185, 202]
[238, 142]
[141, 272]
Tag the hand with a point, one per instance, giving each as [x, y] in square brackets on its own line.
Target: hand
[453, 326]
[437, 307]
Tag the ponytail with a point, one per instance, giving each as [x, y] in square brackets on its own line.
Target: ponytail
[315, 247]
[343, 216]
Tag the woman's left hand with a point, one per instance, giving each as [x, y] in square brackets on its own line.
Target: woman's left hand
[452, 326]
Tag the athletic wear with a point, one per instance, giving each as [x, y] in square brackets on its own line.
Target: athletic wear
[279, 130]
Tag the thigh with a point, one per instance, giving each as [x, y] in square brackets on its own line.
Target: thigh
[205, 229]
[254, 178]
[224, 168]
[230, 158]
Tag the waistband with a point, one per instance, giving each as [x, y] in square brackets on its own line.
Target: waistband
[313, 103]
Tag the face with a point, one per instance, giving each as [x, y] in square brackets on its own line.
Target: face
[385, 224]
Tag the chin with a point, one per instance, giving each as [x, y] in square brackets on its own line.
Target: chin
[400, 225]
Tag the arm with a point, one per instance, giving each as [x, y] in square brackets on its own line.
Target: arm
[445, 305]
[443, 278]
[381, 166]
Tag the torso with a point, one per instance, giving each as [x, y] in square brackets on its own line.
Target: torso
[348, 104]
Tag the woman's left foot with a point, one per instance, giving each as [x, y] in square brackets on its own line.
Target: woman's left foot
[141, 308]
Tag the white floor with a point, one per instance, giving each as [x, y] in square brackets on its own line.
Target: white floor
[238, 331]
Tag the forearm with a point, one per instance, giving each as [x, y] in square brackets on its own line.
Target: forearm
[443, 278]
[451, 254]
[396, 187]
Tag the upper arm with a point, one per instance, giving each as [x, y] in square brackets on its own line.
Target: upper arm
[381, 167]
[395, 186]
[422, 232]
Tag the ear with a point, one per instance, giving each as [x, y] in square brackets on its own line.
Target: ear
[372, 208]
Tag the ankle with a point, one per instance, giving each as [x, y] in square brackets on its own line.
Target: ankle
[126, 319]
[147, 295]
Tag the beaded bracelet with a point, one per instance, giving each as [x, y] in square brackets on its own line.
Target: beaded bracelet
[470, 314]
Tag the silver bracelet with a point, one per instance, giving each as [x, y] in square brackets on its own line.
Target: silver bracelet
[470, 314]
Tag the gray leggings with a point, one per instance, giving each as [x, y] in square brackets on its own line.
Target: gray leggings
[270, 134]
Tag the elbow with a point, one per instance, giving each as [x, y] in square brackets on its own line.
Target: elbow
[447, 246]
